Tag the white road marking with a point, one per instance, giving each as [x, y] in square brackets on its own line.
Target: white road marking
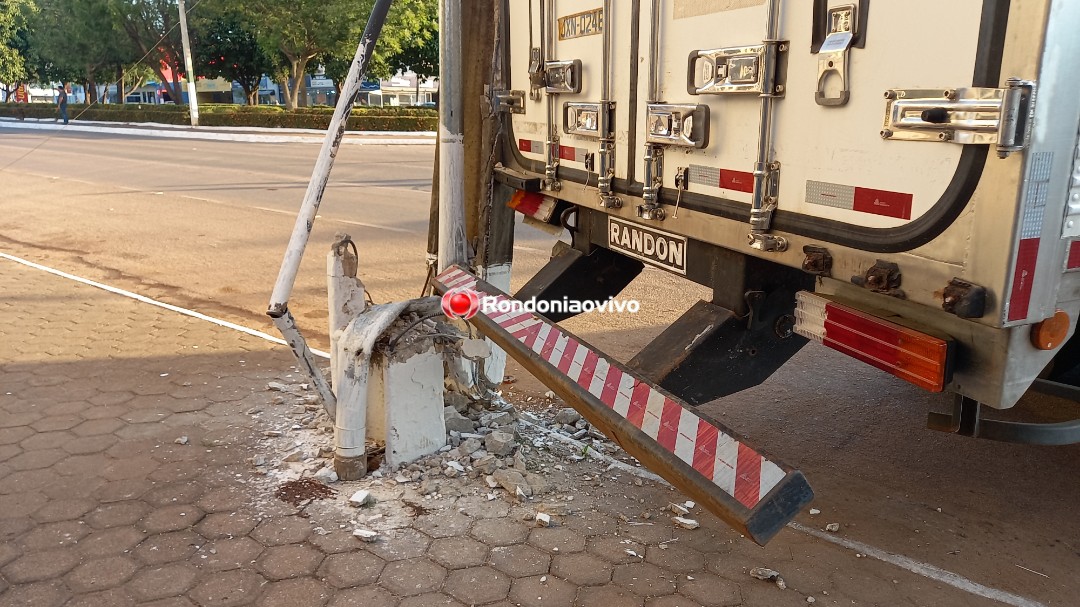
[154, 302]
[919, 568]
[898, 560]
[355, 223]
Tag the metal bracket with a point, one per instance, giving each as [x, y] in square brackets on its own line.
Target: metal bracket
[679, 125]
[964, 299]
[654, 179]
[562, 76]
[818, 261]
[536, 73]
[510, 102]
[966, 419]
[761, 219]
[759, 69]
[882, 277]
[970, 116]
[833, 56]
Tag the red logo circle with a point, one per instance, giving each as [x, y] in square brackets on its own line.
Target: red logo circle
[461, 303]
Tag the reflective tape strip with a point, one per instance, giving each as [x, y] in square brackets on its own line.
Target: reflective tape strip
[531, 146]
[862, 200]
[573, 154]
[734, 467]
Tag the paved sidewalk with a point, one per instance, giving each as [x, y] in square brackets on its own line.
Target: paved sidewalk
[100, 506]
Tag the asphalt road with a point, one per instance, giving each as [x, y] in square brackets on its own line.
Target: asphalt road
[203, 225]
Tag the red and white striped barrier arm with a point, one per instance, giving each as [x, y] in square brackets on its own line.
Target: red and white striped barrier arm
[755, 493]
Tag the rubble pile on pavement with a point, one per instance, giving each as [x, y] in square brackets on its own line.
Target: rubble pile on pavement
[494, 451]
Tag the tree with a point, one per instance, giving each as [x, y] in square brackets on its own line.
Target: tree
[227, 48]
[420, 55]
[13, 24]
[79, 41]
[152, 26]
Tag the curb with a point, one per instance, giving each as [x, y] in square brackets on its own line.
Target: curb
[180, 132]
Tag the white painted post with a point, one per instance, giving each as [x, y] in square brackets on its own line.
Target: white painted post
[193, 100]
[452, 244]
[405, 405]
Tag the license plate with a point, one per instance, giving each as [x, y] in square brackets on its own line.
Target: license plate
[588, 23]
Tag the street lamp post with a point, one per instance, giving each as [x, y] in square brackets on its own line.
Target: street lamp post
[193, 101]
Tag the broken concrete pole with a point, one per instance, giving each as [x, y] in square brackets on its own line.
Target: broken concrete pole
[405, 404]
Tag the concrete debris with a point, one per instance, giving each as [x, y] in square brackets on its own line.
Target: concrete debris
[295, 456]
[689, 505]
[685, 523]
[258, 461]
[491, 482]
[365, 535]
[539, 484]
[512, 481]
[326, 475]
[183, 440]
[678, 509]
[456, 422]
[762, 573]
[811, 600]
[519, 462]
[832, 527]
[272, 433]
[496, 419]
[500, 443]
[362, 498]
[429, 486]
[567, 416]
[470, 446]
[294, 389]
[487, 464]
[543, 519]
[549, 394]
[455, 465]
[814, 511]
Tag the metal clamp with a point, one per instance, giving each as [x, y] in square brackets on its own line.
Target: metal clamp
[562, 76]
[679, 125]
[833, 56]
[969, 116]
[536, 73]
[756, 69]
[511, 102]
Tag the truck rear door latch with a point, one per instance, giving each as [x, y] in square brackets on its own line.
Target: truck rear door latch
[969, 116]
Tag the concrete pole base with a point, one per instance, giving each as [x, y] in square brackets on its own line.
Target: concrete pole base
[350, 468]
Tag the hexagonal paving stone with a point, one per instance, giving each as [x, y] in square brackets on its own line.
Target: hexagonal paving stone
[557, 539]
[280, 531]
[10, 436]
[21, 504]
[371, 596]
[551, 592]
[63, 510]
[37, 460]
[8, 552]
[100, 574]
[172, 518]
[113, 597]
[607, 595]
[130, 468]
[499, 532]
[41, 594]
[333, 542]
[88, 445]
[109, 542]
[55, 535]
[351, 569]
[98, 426]
[226, 524]
[40, 566]
[228, 554]
[477, 585]
[434, 599]
[291, 593]
[15, 527]
[411, 577]
[117, 514]
[402, 544]
[171, 494]
[675, 558]
[228, 589]
[119, 491]
[458, 552]
[293, 560]
[645, 579]
[28, 480]
[590, 524]
[168, 547]
[673, 600]
[223, 499]
[710, 590]
[582, 569]
[47, 440]
[446, 523]
[173, 579]
[614, 550]
[520, 561]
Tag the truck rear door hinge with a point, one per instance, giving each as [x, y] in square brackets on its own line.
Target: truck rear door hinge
[970, 116]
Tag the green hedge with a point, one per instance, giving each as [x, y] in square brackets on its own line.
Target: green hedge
[224, 115]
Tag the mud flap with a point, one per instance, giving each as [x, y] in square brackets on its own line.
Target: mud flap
[753, 493]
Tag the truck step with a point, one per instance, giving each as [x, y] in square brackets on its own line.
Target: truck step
[754, 493]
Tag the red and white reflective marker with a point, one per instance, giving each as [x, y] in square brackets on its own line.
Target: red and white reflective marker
[711, 450]
[911, 355]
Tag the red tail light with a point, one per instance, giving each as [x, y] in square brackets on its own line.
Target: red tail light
[911, 355]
